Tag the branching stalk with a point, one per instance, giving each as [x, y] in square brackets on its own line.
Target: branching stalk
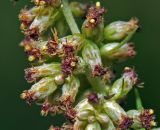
[69, 17]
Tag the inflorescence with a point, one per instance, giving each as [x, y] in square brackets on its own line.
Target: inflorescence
[61, 62]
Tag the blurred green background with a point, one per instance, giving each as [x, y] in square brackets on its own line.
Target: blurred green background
[16, 115]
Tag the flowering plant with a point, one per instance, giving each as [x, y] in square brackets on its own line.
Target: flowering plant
[73, 74]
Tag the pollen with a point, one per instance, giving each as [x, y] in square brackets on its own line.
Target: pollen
[28, 48]
[151, 111]
[98, 4]
[31, 58]
[92, 21]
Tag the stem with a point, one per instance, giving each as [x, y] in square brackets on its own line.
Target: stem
[69, 17]
[130, 35]
[138, 100]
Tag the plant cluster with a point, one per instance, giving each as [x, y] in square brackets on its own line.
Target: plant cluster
[73, 74]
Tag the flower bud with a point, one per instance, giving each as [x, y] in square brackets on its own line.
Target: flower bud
[119, 30]
[40, 90]
[123, 85]
[45, 19]
[84, 105]
[91, 55]
[79, 125]
[70, 90]
[111, 51]
[103, 119]
[142, 118]
[84, 114]
[78, 9]
[34, 73]
[27, 16]
[117, 115]
[93, 126]
[114, 111]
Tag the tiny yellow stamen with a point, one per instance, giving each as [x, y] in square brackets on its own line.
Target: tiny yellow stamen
[31, 58]
[27, 48]
[98, 4]
[23, 96]
[151, 111]
[73, 64]
[92, 21]
[153, 123]
[126, 68]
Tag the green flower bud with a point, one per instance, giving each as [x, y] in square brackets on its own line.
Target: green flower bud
[70, 89]
[94, 34]
[142, 118]
[112, 51]
[114, 111]
[116, 88]
[84, 105]
[91, 54]
[40, 90]
[123, 85]
[99, 75]
[105, 121]
[78, 9]
[79, 125]
[42, 21]
[84, 114]
[34, 73]
[93, 126]
[119, 30]
[117, 115]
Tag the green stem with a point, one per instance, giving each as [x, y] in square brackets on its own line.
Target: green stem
[130, 35]
[69, 17]
[138, 100]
